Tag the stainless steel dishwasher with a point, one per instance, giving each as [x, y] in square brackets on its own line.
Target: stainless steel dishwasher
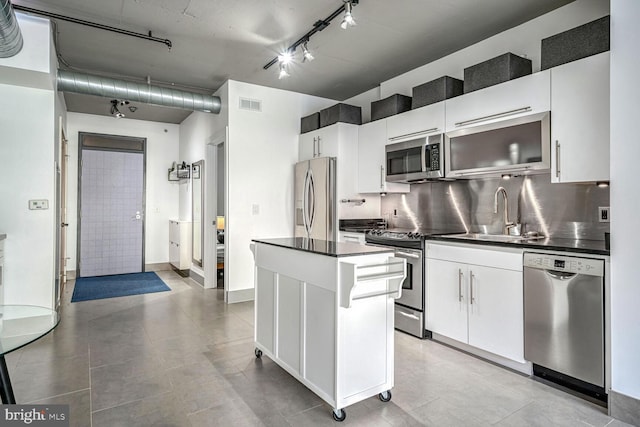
[564, 321]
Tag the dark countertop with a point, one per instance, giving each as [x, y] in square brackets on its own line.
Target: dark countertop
[593, 247]
[323, 247]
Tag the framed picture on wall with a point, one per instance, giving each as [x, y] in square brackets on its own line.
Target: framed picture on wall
[196, 171]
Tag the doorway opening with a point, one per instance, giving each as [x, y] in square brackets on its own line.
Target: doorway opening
[111, 195]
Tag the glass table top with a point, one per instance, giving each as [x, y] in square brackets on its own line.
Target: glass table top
[23, 324]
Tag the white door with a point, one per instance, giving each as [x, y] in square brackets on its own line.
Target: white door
[447, 299]
[496, 311]
[111, 213]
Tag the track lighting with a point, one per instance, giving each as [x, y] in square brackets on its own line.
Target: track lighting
[602, 184]
[287, 56]
[306, 55]
[348, 20]
[283, 72]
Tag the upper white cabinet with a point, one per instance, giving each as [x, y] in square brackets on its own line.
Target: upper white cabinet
[323, 142]
[415, 123]
[372, 138]
[580, 120]
[523, 96]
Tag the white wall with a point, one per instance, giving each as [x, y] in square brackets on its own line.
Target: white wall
[162, 196]
[523, 40]
[261, 152]
[28, 119]
[625, 197]
[27, 172]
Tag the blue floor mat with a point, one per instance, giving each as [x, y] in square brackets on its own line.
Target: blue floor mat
[90, 288]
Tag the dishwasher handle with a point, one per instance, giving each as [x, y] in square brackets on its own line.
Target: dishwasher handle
[560, 275]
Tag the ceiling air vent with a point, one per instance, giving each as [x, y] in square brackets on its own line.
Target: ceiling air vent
[250, 104]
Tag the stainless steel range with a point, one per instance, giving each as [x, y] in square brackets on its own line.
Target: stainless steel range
[408, 244]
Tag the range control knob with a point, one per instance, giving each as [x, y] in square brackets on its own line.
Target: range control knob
[417, 236]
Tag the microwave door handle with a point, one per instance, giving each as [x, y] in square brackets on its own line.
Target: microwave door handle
[423, 155]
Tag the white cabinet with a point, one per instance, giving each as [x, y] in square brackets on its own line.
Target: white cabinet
[180, 244]
[580, 120]
[328, 320]
[422, 121]
[526, 95]
[323, 142]
[475, 296]
[372, 137]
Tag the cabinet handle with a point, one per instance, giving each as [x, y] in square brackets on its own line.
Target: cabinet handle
[557, 159]
[314, 147]
[319, 147]
[408, 135]
[381, 177]
[471, 276]
[460, 285]
[494, 116]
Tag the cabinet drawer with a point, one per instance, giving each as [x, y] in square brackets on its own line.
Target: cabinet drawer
[497, 257]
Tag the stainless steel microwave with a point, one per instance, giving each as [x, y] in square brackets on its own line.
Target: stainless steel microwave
[416, 160]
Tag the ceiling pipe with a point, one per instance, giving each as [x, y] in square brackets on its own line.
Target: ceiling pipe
[10, 35]
[87, 84]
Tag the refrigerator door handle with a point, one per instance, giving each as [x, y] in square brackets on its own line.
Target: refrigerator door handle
[312, 193]
[305, 203]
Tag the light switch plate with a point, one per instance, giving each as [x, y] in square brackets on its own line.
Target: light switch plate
[603, 214]
[37, 205]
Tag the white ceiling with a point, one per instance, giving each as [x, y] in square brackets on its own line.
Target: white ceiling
[216, 40]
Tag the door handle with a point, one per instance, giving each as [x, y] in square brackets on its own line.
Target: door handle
[381, 177]
[471, 298]
[312, 188]
[64, 224]
[137, 216]
[460, 285]
[557, 159]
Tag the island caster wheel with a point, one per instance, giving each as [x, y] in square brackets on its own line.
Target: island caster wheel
[339, 415]
[258, 353]
[385, 396]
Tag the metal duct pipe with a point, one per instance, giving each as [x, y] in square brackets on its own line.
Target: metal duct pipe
[10, 35]
[69, 81]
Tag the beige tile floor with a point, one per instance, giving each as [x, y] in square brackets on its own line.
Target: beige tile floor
[184, 358]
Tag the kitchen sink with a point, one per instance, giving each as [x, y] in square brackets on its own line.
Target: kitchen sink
[495, 237]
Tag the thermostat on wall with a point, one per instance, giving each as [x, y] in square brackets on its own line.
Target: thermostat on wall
[38, 204]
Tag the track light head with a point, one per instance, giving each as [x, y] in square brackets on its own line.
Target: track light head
[348, 20]
[306, 55]
[283, 72]
[285, 57]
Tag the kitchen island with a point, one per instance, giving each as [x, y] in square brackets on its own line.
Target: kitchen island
[324, 313]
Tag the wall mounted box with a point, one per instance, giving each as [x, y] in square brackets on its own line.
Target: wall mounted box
[586, 40]
[390, 106]
[343, 113]
[309, 123]
[435, 91]
[494, 71]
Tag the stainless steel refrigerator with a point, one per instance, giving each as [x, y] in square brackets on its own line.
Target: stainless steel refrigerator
[315, 203]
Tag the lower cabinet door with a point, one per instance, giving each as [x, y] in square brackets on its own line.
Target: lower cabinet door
[446, 299]
[496, 311]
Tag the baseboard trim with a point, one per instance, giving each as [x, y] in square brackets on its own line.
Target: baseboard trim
[624, 408]
[522, 367]
[159, 266]
[241, 295]
[197, 277]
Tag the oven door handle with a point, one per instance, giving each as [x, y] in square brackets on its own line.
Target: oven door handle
[408, 255]
[411, 316]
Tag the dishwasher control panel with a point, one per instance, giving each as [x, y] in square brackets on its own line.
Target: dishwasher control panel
[592, 267]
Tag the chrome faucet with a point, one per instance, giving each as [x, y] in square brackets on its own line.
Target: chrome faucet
[507, 224]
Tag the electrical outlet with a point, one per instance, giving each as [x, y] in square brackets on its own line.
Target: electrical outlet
[603, 214]
[36, 205]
